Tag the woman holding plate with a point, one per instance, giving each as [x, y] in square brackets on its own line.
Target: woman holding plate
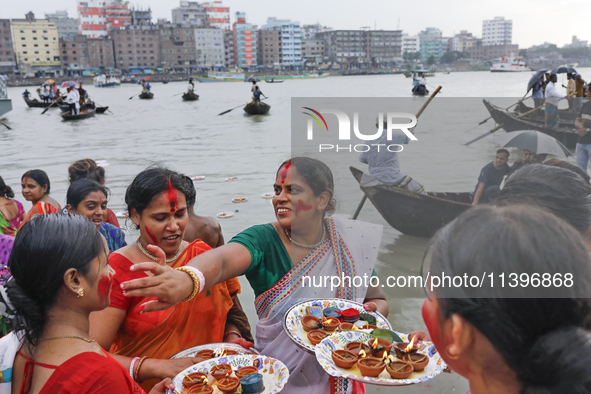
[275, 257]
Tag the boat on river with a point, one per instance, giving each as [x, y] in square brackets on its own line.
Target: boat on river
[81, 115]
[190, 96]
[146, 95]
[509, 64]
[511, 122]
[106, 81]
[567, 117]
[232, 75]
[413, 213]
[86, 106]
[281, 78]
[259, 108]
[34, 103]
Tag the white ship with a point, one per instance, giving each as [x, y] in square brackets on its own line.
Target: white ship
[232, 75]
[5, 102]
[106, 81]
[509, 64]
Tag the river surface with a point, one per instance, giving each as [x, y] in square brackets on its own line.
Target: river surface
[190, 138]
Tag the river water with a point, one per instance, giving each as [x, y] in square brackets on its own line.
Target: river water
[191, 138]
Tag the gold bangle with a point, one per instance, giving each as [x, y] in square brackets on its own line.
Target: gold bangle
[196, 283]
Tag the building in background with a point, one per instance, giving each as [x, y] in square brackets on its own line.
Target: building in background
[117, 16]
[461, 42]
[497, 31]
[269, 47]
[576, 43]
[65, 26]
[217, 15]
[36, 45]
[189, 12]
[7, 55]
[432, 44]
[100, 54]
[92, 18]
[291, 41]
[177, 46]
[245, 42]
[74, 54]
[410, 44]
[385, 47]
[313, 52]
[488, 53]
[210, 49]
[139, 16]
[347, 47]
[137, 47]
[229, 60]
[309, 31]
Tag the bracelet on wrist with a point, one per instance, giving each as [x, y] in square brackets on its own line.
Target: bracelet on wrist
[228, 333]
[196, 282]
[131, 369]
[137, 368]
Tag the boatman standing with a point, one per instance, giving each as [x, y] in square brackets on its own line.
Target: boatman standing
[384, 165]
[191, 86]
[257, 95]
[551, 105]
[72, 99]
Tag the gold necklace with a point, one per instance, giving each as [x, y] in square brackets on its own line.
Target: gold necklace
[307, 246]
[151, 255]
[70, 336]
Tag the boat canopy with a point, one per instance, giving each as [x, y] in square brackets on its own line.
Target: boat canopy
[420, 71]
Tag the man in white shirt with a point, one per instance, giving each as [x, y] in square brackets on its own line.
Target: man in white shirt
[71, 99]
[552, 99]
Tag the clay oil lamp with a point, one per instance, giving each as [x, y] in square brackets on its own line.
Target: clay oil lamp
[346, 326]
[330, 324]
[242, 372]
[194, 379]
[356, 347]
[350, 315]
[344, 358]
[220, 371]
[371, 367]
[231, 352]
[404, 348]
[316, 336]
[201, 389]
[378, 346]
[206, 354]
[419, 361]
[228, 384]
[310, 323]
[363, 325]
[252, 384]
[399, 369]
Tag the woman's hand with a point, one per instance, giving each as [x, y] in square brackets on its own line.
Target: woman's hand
[161, 369]
[166, 284]
[420, 335]
[239, 341]
[162, 387]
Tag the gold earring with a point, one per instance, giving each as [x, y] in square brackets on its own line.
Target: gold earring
[80, 293]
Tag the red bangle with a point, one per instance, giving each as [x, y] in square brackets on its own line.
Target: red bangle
[137, 369]
[232, 332]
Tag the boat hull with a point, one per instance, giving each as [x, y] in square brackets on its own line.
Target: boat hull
[190, 97]
[146, 96]
[108, 85]
[81, 115]
[5, 106]
[257, 109]
[37, 104]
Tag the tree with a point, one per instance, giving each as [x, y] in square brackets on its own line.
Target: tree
[411, 56]
[452, 57]
[431, 60]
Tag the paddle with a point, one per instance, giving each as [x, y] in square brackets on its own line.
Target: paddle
[417, 116]
[225, 112]
[501, 125]
[135, 95]
[506, 109]
[178, 94]
[5, 125]
[54, 101]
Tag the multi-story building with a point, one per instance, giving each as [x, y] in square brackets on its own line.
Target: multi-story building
[229, 59]
[385, 47]
[7, 56]
[245, 42]
[189, 12]
[269, 47]
[347, 47]
[92, 18]
[117, 16]
[217, 15]
[209, 44]
[100, 53]
[291, 40]
[489, 53]
[461, 42]
[432, 44]
[74, 53]
[137, 46]
[313, 51]
[497, 31]
[36, 44]
[140, 16]
[177, 46]
[65, 26]
[411, 44]
[576, 43]
[309, 31]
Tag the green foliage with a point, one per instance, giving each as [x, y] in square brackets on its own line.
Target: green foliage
[370, 319]
[431, 60]
[388, 335]
[411, 56]
[452, 57]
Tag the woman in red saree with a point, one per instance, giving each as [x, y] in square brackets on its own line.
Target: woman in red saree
[157, 206]
[57, 282]
[35, 188]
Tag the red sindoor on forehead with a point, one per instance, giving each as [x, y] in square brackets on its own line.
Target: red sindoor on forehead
[172, 196]
[284, 170]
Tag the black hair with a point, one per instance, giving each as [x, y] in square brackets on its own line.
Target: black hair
[529, 333]
[191, 194]
[44, 249]
[317, 175]
[80, 189]
[505, 151]
[150, 183]
[561, 191]
[569, 166]
[86, 169]
[5, 190]
[38, 176]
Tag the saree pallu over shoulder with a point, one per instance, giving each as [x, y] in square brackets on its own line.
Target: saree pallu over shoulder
[41, 208]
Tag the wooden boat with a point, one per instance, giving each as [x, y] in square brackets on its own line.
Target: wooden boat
[37, 104]
[413, 213]
[419, 92]
[101, 110]
[81, 115]
[271, 81]
[566, 116]
[190, 96]
[510, 122]
[146, 95]
[253, 108]
[165, 82]
[83, 107]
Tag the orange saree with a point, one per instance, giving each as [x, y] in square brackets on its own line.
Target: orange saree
[163, 334]
[40, 208]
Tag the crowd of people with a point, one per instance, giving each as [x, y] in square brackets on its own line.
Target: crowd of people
[88, 311]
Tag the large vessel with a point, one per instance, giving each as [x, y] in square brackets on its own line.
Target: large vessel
[303, 76]
[509, 64]
[5, 102]
[232, 75]
[106, 81]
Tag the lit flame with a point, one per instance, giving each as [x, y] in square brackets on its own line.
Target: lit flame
[355, 327]
[205, 380]
[385, 355]
[410, 345]
[374, 344]
[362, 353]
[391, 358]
[223, 353]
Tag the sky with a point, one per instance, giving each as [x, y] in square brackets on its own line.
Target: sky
[534, 21]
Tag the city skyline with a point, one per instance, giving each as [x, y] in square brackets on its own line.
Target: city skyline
[533, 22]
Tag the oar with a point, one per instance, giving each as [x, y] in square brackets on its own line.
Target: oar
[241, 105]
[54, 101]
[135, 95]
[417, 116]
[506, 109]
[5, 125]
[178, 94]
[501, 125]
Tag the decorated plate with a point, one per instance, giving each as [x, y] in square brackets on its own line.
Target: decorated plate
[199, 178]
[275, 373]
[122, 214]
[339, 340]
[217, 347]
[231, 179]
[240, 199]
[293, 326]
[225, 215]
[267, 195]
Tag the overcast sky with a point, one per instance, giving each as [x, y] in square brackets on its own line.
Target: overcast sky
[534, 21]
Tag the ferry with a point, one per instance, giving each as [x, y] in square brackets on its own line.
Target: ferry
[5, 102]
[232, 75]
[303, 76]
[106, 81]
[509, 64]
